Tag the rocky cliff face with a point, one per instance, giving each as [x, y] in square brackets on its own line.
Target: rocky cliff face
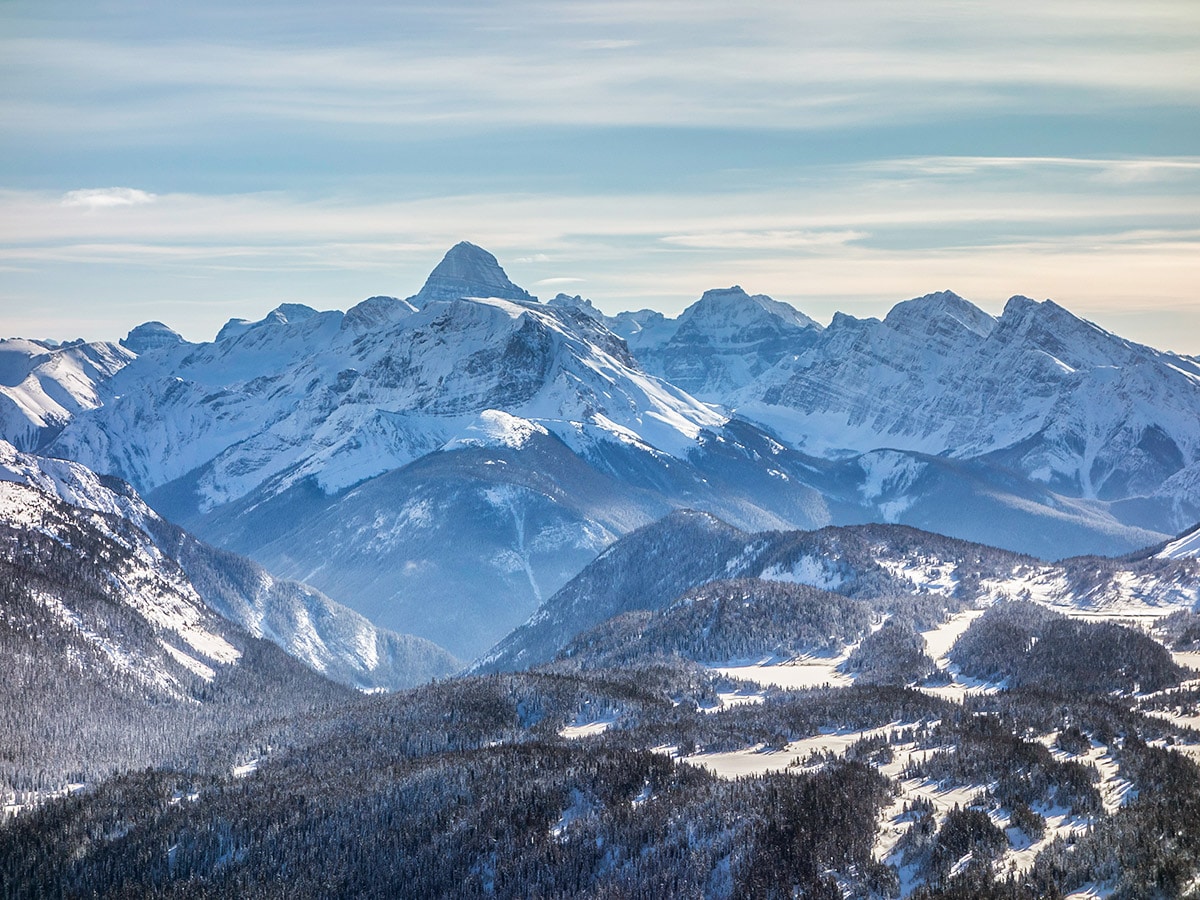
[468, 271]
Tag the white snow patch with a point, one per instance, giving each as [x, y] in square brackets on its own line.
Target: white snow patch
[795, 674]
[580, 808]
[938, 641]
[930, 575]
[246, 768]
[735, 698]
[1188, 545]
[761, 759]
[190, 663]
[886, 471]
[1092, 891]
[586, 729]
[810, 570]
[495, 428]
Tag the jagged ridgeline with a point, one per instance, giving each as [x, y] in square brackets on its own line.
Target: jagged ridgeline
[445, 463]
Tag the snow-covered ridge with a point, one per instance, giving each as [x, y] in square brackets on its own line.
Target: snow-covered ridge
[1036, 389]
[1102, 587]
[325, 635]
[44, 387]
[147, 583]
[858, 562]
[298, 396]
[1186, 546]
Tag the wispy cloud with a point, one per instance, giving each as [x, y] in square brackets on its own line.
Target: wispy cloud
[857, 241]
[776, 65]
[1116, 170]
[101, 198]
[763, 240]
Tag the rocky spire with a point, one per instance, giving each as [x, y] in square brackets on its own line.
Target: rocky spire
[468, 271]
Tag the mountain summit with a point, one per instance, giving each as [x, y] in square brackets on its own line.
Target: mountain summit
[721, 342]
[468, 271]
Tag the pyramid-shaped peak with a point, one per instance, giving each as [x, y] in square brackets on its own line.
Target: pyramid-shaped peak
[942, 305]
[468, 270]
[1046, 315]
[291, 312]
[734, 304]
[463, 256]
[1019, 305]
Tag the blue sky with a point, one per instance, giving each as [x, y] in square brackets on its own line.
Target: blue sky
[194, 162]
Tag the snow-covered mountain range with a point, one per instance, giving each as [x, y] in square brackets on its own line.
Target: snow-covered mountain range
[447, 462]
[1036, 390]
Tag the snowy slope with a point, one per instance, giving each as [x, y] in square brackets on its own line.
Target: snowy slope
[1185, 546]
[1036, 390]
[321, 633]
[190, 639]
[43, 387]
[112, 660]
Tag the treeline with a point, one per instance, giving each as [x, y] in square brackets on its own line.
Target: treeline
[522, 820]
